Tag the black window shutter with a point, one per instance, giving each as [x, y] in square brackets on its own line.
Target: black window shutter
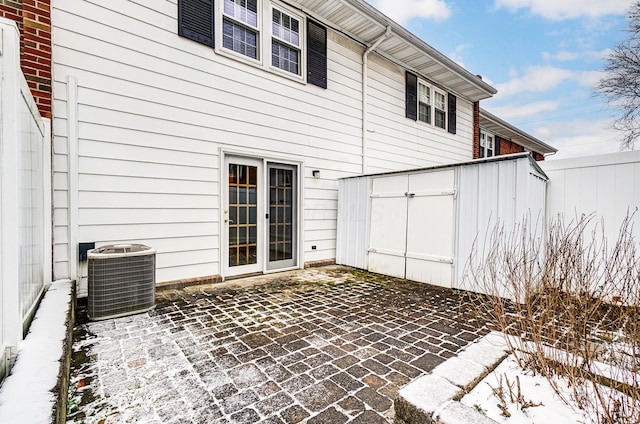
[316, 54]
[411, 96]
[496, 146]
[195, 20]
[451, 101]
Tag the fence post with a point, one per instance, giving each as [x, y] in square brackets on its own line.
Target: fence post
[9, 191]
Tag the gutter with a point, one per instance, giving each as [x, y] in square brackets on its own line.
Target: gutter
[365, 92]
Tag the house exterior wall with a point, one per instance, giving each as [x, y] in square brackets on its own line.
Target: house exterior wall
[143, 118]
[507, 147]
[34, 22]
[397, 143]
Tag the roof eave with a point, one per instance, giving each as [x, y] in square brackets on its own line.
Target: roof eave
[515, 134]
[400, 47]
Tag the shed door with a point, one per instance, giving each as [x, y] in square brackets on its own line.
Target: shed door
[388, 240]
[412, 226]
[430, 227]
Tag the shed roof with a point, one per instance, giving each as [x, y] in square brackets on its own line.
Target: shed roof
[365, 24]
[492, 123]
[514, 156]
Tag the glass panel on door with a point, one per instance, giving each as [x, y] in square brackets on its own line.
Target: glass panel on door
[281, 216]
[243, 214]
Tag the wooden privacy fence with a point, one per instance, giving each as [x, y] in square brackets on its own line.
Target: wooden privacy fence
[25, 200]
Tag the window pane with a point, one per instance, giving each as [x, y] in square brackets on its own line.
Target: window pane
[285, 28]
[424, 113]
[424, 103]
[242, 10]
[439, 101]
[233, 214]
[284, 57]
[239, 39]
[439, 105]
[439, 118]
[424, 94]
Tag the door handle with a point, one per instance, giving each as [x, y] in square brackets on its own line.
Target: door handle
[229, 220]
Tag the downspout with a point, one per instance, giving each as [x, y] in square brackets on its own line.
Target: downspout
[72, 179]
[365, 94]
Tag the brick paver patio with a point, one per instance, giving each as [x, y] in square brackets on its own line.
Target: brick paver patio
[326, 345]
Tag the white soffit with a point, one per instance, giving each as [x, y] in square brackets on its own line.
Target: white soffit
[497, 126]
[362, 22]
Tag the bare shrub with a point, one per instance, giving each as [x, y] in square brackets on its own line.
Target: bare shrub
[569, 306]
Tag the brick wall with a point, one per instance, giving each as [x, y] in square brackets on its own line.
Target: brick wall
[508, 147]
[34, 21]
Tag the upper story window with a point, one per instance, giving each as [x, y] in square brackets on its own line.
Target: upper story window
[487, 144]
[428, 104]
[263, 33]
[440, 107]
[285, 42]
[431, 105]
[424, 103]
[240, 29]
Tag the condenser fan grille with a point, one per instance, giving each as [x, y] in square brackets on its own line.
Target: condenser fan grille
[121, 281]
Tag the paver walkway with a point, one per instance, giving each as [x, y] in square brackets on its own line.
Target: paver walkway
[326, 345]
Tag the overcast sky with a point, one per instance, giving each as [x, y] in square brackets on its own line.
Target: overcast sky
[543, 56]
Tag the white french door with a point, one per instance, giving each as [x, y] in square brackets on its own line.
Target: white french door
[260, 208]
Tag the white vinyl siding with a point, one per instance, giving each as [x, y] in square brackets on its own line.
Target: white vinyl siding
[397, 143]
[155, 110]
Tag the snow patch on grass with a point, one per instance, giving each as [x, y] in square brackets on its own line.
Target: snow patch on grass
[534, 389]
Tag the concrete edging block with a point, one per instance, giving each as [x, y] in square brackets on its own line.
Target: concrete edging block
[456, 413]
[459, 371]
[434, 398]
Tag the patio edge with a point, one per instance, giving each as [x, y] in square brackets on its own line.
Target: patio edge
[62, 387]
[434, 398]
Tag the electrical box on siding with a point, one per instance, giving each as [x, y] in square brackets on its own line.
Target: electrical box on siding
[421, 224]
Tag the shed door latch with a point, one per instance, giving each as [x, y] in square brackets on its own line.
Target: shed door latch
[407, 194]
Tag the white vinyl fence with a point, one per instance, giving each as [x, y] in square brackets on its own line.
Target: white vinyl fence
[25, 199]
[604, 186]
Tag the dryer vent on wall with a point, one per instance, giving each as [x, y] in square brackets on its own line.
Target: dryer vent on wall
[122, 280]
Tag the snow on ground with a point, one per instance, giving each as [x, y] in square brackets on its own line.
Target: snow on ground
[535, 389]
[27, 396]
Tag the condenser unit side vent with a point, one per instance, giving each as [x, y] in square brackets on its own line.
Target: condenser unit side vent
[121, 281]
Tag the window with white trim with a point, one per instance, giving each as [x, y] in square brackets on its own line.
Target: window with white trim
[487, 144]
[424, 103]
[428, 104]
[440, 109]
[285, 41]
[240, 27]
[262, 33]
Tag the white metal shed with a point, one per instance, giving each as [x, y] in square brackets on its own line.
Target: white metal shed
[421, 224]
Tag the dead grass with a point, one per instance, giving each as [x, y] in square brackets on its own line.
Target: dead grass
[568, 301]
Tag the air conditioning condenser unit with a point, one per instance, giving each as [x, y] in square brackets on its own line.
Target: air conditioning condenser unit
[122, 280]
